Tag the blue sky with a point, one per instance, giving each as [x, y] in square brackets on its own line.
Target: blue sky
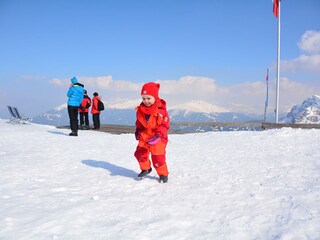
[115, 46]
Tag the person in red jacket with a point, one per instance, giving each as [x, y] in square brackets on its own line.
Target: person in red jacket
[152, 125]
[95, 112]
[84, 111]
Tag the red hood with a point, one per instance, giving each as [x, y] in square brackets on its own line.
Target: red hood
[163, 104]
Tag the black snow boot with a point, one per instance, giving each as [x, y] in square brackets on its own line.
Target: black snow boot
[73, 134]
[144, 173]
[163, 179]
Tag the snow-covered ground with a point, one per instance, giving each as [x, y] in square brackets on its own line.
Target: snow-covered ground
[222, 185]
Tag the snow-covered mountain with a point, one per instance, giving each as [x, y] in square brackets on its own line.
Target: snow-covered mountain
[196, 111]
[199, 107]
[59, 116]
[55, 117]
[307, 112]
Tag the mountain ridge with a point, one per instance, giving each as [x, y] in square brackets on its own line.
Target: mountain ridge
[306, 112]
[195, 111]
[126, 116]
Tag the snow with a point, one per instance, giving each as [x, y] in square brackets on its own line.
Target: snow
[222, 185]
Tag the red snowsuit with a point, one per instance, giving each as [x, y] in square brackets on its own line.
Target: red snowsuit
[95, 112]
[86, 103]
[94, 108]
[151, 121]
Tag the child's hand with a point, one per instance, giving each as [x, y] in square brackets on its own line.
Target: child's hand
[153, 140]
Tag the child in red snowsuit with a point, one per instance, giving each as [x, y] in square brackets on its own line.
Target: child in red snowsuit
[84, 111]
[152, 127]
[95, 111]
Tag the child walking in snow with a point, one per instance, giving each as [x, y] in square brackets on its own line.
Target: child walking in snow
[152, 125]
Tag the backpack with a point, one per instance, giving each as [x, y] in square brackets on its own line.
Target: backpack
[100, 105]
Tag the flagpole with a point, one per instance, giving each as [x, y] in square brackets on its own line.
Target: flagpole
[266, 103]
[278, 66]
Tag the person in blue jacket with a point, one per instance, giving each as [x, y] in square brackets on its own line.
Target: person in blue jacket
[75, 96]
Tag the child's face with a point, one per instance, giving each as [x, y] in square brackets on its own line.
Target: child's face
[148, 100]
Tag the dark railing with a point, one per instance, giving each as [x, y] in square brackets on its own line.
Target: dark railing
[290, 125]
[182, 127]
[262, 125]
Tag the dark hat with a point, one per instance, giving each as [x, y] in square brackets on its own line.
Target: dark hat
[95, 94]
[85, 91]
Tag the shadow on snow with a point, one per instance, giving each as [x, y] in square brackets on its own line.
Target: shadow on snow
[114, 169]
[58, 133]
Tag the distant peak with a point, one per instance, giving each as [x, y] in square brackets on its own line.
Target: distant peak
[61, 107]
[199, 106]
[306, 112]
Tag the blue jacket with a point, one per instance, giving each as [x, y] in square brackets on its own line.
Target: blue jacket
[75, 93]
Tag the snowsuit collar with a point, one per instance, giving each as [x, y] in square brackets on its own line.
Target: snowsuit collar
[160, 103]
[78, 84]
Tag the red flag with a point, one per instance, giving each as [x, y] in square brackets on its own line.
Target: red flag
[276, 8]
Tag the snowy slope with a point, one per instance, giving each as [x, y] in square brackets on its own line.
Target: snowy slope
[306, 112]
[222, 185]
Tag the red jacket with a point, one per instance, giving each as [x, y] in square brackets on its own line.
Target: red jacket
[86, 103]
[158, 122]
[94, 108]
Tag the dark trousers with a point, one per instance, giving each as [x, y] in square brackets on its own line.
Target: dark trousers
[84, 118]
[96, 120]
[73, 116]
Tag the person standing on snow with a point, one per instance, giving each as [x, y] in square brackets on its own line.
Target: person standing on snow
[75, 96]
[84, 111]
[95, 111]
[152, 125]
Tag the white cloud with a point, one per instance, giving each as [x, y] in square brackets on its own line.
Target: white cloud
[244, 97]
[107, 83]
[248, 89]
[124, 94]
[102, 82]
[189, 85]
[302, 63]
[199, 93]
[59, 83]
[123, 103]
[203, 94]
[310, 62]
[310, 42]
[188, 88]
[292, 93]
[199, 106]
